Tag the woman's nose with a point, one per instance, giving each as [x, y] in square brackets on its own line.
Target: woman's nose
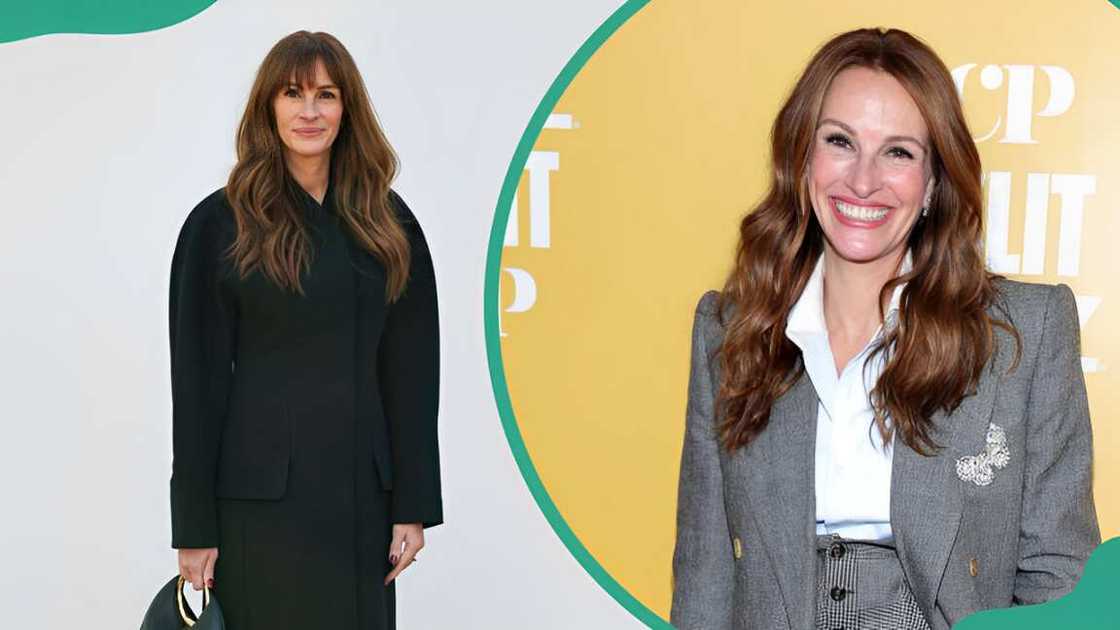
[864, 176]
[309, 109]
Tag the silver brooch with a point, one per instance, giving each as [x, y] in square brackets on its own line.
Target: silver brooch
[979, 468]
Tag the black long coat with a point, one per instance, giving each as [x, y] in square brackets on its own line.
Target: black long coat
[304, 426]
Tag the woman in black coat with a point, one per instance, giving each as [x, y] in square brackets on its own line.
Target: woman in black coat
[304, 361]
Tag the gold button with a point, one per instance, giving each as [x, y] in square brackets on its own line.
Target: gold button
[973, 567]
[738, 548]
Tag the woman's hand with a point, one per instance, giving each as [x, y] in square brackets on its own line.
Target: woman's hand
[408, 539]
[197, 566]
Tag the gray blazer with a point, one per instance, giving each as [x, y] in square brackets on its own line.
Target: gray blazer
[745, 550]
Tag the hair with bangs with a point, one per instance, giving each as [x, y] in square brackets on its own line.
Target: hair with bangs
[271, 236]
[944, 336]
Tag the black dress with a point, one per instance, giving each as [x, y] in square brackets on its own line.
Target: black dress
[304, 426]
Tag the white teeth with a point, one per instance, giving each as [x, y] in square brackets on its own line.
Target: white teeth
[860, 213]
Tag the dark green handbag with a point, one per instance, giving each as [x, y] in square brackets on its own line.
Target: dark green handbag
[169, 611]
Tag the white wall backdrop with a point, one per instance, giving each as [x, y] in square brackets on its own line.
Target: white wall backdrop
[108, 142]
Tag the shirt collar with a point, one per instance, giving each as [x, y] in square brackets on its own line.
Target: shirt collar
[807, 315]
[896, 295]
[806, 318]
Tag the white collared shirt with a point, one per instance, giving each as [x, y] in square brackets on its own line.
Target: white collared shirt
[852, 467]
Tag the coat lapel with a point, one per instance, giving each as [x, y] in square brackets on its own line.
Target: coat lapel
[926, 497]
[777, 469]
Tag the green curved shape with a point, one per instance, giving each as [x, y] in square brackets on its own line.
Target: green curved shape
[31, 18]
[490, 315]
[1091, 605]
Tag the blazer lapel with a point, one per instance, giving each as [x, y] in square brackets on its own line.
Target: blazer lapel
[926, 493]
[777, 469]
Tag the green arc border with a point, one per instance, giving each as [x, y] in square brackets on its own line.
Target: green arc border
[490, 316]
[20, 20]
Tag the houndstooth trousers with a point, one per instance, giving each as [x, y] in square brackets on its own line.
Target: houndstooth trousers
[861, 586]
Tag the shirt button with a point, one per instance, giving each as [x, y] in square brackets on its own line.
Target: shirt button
[973, 567]
[837, 594]
[836, 550]
[737, 546]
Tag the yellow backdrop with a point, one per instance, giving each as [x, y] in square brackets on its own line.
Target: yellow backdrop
[628, 208]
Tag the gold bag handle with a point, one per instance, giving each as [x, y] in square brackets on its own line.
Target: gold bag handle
[184, 607]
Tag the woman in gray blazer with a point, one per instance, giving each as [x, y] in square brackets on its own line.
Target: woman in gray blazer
[880, 433]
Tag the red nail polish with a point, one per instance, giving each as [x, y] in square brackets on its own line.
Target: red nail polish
[393, 559]
[210, 583]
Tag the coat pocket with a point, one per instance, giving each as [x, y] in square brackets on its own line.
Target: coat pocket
[255, 453]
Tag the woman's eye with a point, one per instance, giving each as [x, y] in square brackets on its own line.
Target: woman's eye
[838, 140]
[899, 152]
[291, 92]
[326, 94]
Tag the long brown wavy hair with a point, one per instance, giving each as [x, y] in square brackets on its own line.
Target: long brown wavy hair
[264, 196]
[944, 335]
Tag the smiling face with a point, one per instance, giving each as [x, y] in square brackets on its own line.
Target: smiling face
[308, 116]
[870, 169]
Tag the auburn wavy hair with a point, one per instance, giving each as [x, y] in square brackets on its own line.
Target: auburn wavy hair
[265, 197]
[944, 336]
